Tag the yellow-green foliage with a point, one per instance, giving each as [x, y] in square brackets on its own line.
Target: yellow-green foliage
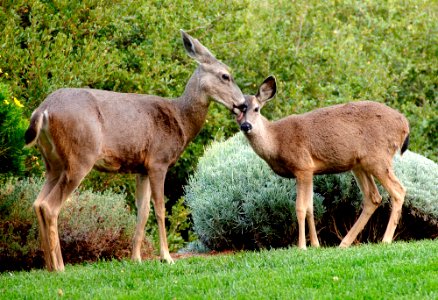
[12, 127]
[322, 52]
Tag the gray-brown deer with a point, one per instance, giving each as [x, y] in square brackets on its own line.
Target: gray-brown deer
[78, 129]
[360, 136]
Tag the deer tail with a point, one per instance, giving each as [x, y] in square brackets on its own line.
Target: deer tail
[32, 133]
[405, 145]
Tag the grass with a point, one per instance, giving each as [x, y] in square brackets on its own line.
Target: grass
[401, 270]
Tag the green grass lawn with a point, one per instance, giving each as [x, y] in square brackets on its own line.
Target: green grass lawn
[398, 271]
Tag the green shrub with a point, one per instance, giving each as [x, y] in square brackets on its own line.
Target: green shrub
[327, 52]
[238, 202]
[12, 128]
[321, 53]
[91, 226]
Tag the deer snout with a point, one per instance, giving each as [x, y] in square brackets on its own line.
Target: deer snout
[246, 127]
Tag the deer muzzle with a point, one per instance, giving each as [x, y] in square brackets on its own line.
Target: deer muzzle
[246, 127]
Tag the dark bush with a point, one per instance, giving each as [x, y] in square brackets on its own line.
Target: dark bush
[91, 226]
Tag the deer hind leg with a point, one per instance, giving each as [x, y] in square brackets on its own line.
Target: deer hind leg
[51, 181]
[157, 176]
[397, 192]
[47, 208]
[142, 202]
[371, 200]
[304, 209]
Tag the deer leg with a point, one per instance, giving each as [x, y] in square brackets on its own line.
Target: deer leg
[142, 202]
[157, 177]
[397, 192]
[304, 200]
[50, 182]
[371, 200]
[311, 221]
[47, 212]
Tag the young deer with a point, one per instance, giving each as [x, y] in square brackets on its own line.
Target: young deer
[78, 129]
[360, 136]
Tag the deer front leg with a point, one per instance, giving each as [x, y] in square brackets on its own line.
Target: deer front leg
[304, 200]
[311, 221]
[157, 177]
[142, 202]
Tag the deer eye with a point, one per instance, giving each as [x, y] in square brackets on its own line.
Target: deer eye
[257, 109]
[226, 77]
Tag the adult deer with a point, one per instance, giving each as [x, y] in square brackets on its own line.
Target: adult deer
[359, 136]
[78, 129]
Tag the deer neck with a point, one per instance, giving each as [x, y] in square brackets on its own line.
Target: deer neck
[192, 107]
[262, 139]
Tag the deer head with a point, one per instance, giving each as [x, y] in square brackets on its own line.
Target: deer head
[250, 111]
[216, 76]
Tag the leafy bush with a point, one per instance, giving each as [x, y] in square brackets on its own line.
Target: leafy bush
[238, 202]
[324, 53]
[91, 226]
[12, 128]
[321, 52]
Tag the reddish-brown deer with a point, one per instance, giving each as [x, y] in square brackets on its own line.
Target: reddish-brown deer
[78, 129]
[360, 136]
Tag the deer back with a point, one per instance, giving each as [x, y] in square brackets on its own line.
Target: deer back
[120, 131]
[336, 138]
[327, 140]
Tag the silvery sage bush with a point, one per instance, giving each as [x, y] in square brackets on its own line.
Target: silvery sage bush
[237, 202]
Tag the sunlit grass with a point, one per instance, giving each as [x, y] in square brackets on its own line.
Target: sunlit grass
[400, 270]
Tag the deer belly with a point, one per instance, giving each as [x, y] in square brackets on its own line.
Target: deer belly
[114, 165]
[106, 165]
[282, 171]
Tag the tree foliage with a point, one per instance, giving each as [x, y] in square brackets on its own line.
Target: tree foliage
[12, 127]
[321, 53]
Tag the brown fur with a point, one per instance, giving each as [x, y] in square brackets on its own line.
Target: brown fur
[80, 129]
[359, 136]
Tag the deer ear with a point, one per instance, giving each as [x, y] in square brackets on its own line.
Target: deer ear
[196, 50]
[267, 89]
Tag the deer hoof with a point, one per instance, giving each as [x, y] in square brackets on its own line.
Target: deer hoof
[168, 259]
[343, 245]
[136, 258]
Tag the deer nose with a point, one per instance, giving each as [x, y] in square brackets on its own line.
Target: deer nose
[246, 127]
